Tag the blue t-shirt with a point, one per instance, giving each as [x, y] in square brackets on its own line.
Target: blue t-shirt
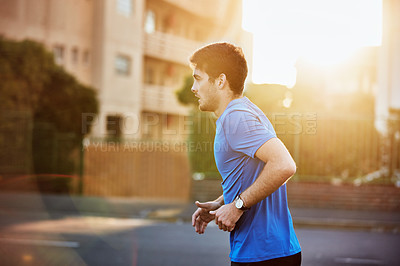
[266, 230]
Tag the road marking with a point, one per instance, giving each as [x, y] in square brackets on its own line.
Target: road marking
[358, 261]
[39, 242]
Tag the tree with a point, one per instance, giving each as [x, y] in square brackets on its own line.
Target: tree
[201, 139]
[32, 84]
[184, 94]
[24, 71]
[62, 102]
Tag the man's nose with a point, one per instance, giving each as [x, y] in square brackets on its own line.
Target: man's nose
[193, 89]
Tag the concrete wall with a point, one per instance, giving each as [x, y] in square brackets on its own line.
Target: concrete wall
[54, 23]
[117, 34]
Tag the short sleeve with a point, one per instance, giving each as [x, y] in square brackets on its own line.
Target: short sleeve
[245, 132]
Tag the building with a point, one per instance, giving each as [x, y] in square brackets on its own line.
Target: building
[134, 52]
[388, 98]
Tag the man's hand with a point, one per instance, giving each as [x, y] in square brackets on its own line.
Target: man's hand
[201, 217]
[227, 216]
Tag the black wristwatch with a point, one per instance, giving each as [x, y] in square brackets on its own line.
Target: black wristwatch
[240, 204]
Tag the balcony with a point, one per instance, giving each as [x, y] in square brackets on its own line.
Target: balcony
[204, 8]
[169, 47]
[161, 99]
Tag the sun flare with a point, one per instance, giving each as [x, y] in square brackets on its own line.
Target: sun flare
[325, 32]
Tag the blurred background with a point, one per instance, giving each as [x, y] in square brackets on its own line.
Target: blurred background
[97, 117]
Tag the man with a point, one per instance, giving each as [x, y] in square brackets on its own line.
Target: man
[253, 162]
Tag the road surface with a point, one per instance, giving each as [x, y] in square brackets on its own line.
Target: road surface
[62, 239]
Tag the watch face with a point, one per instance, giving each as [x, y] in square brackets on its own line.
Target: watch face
[239, 203]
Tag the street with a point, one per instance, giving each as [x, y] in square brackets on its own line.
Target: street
[39, 238]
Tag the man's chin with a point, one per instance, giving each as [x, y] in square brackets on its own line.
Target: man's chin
[202, 108]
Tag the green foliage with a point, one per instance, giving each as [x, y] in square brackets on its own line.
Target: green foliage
[184, 94]
[201, 139]
[201, 144]
[33, 83]
[15, 142]
[63, 101]
[24, 68]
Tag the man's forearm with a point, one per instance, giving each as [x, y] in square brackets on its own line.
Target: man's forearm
[220, 200]
[270, 179]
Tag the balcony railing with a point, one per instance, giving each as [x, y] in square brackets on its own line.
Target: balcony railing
[169, 47]
[202, 7]
[161, 99]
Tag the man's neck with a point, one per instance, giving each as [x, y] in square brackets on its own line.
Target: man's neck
[224, 103]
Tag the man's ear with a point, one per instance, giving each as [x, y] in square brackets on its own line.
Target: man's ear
[221, 80]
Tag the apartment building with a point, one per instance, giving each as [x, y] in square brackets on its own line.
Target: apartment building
[134, 52]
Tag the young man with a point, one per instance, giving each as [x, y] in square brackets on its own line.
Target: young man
[253, 162]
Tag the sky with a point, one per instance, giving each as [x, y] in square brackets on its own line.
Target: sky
[325, 32]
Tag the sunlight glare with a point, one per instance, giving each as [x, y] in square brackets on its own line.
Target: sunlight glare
[324, 32]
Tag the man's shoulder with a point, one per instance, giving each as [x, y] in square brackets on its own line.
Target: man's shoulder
[242, 112]
[243, 107]
[238, 114]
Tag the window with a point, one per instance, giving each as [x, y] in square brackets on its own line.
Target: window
[124, 7]
[150, 23]
[114, 126]
[86, 57]
[58, 52]
[123, 65]
[149, 75]
[75, 55]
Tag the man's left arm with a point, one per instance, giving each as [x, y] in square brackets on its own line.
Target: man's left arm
[279, 167]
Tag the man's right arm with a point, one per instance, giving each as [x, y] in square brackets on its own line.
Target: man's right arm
[201, 217]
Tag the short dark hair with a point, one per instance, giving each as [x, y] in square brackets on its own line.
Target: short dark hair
[218, 58]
